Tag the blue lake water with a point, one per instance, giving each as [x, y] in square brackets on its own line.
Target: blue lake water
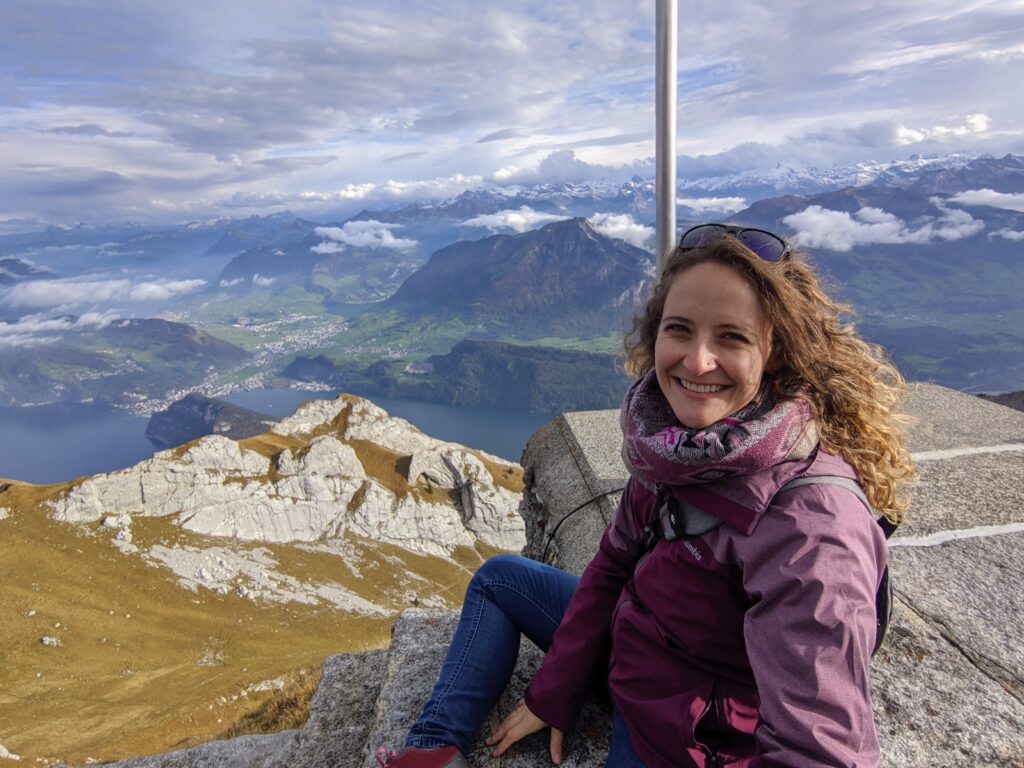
[54, 444]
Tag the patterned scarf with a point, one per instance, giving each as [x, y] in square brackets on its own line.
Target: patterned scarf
[658, 449]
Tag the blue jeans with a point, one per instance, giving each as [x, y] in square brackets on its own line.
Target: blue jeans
[508, 597]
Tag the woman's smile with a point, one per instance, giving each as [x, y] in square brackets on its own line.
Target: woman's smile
[700, 389]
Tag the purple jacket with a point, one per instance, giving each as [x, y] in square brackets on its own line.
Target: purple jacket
[747, 646]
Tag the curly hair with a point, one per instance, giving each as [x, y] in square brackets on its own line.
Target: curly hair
[851, 386]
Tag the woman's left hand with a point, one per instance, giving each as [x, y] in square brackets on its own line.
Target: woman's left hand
[522, 722]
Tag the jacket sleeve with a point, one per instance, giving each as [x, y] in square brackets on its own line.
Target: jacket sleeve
[580, 644]
[812, 570]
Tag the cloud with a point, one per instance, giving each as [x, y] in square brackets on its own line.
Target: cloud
[33, 330]
[504, 133]
[361, 234]
[66, 294]
[231, 283]
[160, 111]
[518, 221]
[818, 227]
[261, 281]
[1008, 234]
[991, 198]
[623, 227]
[713, 204]
[87, 129]
[563, 166]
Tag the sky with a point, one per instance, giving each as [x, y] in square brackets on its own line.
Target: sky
[167, 112]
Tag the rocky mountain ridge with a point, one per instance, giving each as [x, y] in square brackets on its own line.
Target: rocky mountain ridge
[564, 279]
[193, 585]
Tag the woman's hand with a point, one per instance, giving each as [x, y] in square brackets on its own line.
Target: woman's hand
[522, 722]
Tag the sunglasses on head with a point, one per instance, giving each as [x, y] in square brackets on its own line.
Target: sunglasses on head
[768, 246]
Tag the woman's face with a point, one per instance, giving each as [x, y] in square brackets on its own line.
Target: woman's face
[713, 344]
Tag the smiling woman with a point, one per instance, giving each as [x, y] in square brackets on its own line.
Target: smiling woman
[731, 604]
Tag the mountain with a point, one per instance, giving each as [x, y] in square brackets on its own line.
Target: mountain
[1009, 399]
[510, 376]
[155, 607]
[562, 280]
[932, 174]
[122, 363]
[339, 272]
[437, 224]
[278, 229]
[484, 373]
[196, 415]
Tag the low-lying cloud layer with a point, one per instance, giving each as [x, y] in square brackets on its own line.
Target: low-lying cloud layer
[991, 198]
[361, 234]
[818, 227]
[623, 227]
[521, 220]
[34, 329]
[67, 294]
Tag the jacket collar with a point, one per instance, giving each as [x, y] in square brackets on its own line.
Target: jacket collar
[740, 501]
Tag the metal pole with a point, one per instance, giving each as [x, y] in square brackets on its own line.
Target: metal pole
[665, 116]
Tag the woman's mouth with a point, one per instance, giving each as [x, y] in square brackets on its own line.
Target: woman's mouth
[700, 389]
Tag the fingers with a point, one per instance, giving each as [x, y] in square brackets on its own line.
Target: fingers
[520, 722]
[556, 746]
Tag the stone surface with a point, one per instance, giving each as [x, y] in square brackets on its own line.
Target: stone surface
[970, 592]
[935, 709]
[559, 478]
[950, 419]
[418, 646]
[966, 492]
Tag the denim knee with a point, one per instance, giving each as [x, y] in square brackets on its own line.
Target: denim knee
[499, 568]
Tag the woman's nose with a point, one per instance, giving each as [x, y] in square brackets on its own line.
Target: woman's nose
[699, 359]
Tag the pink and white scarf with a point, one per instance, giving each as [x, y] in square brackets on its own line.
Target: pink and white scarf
[658, 449]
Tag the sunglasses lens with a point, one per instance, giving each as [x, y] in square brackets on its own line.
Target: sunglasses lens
[700, 236]
[764, 244]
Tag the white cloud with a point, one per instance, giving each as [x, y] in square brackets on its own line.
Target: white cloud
[232, 283]
[39, 294]
[818, 227]
[1008, 234]
[563, 166]
[991, 198]
[518, 221]
[713, 204]
[361, 234]
[261, 106]
[263, 282]
[163, 290]
[33, 330]
[623, 227]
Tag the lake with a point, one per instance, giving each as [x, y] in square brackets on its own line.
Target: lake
[56, 443]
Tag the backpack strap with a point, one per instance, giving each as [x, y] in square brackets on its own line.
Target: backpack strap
[678, 520]
[884, 595]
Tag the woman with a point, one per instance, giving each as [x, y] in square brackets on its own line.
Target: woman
[747, 644]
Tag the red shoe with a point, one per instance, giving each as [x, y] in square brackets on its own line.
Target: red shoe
[444, 757]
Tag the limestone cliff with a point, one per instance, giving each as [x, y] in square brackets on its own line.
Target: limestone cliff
[155, 606]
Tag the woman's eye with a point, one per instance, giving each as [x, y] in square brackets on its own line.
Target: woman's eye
[735, 337]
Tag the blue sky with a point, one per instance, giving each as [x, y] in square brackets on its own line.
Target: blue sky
[166, 112]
